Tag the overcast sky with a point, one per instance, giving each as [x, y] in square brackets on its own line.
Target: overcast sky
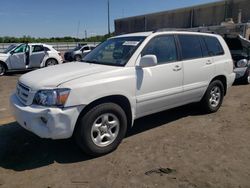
[58, 18]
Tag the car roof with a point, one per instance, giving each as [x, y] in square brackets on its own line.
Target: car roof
[146, 34]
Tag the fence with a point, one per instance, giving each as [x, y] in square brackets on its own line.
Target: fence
[60, 46]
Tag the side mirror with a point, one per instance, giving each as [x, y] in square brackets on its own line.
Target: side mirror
[148, 61]
[11, 52]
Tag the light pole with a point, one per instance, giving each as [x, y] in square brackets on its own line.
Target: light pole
[108, 19]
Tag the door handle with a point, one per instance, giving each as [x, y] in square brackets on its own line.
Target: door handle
[177, 68]
[209, 62]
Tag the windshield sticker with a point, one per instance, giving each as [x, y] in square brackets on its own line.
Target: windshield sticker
[130, 43]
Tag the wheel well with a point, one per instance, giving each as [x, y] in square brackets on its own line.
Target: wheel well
[120, 100]
[4, 64]
[223, 79]
[51, 58]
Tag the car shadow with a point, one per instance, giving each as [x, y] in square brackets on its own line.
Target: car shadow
[21, 150]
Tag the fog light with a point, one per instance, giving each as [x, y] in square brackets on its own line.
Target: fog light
[44, 120]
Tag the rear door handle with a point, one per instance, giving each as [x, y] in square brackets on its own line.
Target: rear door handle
[177, 68]
[209, 62]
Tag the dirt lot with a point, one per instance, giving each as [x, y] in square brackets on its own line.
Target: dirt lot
[194, 150]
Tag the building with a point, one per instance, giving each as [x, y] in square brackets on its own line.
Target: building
[203, 15]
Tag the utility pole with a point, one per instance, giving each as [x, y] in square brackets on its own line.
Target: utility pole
[108, 19]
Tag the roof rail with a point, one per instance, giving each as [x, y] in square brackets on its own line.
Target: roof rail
[196, 29]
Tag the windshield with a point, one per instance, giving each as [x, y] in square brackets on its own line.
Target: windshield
[115, 51]
[11, 47]
[77, 48]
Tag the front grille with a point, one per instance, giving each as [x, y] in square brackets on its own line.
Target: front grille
[22, 92]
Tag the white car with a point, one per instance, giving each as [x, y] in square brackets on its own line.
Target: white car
[123, 79]
[28, 56]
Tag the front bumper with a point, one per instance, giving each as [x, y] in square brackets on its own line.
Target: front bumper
[54, 123]
[240, 72]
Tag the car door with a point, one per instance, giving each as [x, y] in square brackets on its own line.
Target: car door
[18, 57]
[159, 87]
[197, 64]
[37, 55]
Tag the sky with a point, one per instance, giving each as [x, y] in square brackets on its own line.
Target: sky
[59, 18]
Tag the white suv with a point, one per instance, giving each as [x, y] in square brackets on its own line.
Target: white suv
[124, 78]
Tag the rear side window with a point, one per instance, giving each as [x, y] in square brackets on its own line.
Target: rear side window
[190, 47]
[37, 48]
[213, 45]
[163, 47]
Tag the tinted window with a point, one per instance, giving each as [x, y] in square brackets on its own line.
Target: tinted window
[213, 45]
[46, 49]
[37, 48]
[204, 47]
[163, 47]
[190, 47]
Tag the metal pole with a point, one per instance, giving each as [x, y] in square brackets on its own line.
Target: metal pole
[108, 19]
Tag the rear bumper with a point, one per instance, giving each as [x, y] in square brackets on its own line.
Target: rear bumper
[54, 123]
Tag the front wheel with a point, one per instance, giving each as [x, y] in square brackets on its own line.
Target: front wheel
[213, 97]
[101, 129]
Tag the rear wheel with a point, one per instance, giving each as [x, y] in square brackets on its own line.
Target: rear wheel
[78, 58]
[101, 129]
[2, 69]
[51, 62]
[213, 97]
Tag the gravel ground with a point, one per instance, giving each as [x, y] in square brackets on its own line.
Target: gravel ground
[179, 148]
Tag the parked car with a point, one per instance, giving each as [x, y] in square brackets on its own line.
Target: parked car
[78, 52]
[240, 50]
[28, 56]
[123, 79]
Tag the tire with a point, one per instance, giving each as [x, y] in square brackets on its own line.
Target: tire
[213, 98]
[2, 69]
[78, 58]
[94, 133]
[51, 62]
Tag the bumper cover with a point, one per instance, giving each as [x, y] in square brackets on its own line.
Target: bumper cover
[240, 72]
[54, 123]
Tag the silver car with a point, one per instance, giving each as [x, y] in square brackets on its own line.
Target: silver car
[78, 52]
[28, 56]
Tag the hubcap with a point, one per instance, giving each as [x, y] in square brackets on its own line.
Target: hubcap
[78, 58]
[105, 129]
[51, 63]
[215, 96]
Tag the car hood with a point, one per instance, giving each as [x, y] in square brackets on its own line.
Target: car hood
[3, 56]
[53, 76]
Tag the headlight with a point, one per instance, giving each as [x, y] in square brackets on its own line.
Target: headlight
[51, 97]
[242, 63]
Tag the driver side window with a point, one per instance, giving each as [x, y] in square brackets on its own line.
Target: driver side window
[163, 47]
[21, 49]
